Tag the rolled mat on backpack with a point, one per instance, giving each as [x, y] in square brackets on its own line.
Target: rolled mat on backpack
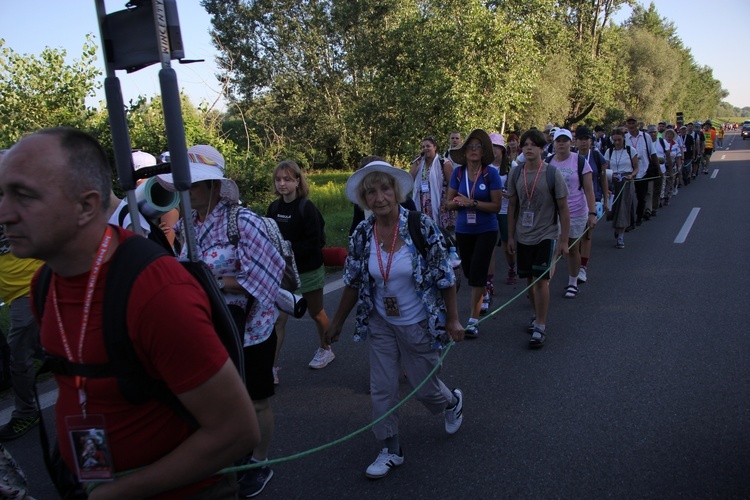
[334, 256]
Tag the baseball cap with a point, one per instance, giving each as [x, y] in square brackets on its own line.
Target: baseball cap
[563, 132]
[142, 159]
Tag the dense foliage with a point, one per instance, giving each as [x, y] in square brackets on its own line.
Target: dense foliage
[325, 82]
[328, 81]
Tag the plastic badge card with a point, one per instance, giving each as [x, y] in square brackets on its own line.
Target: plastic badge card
[88, 440]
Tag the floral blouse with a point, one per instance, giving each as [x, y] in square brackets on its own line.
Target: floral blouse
[255, 264]
[430, 275]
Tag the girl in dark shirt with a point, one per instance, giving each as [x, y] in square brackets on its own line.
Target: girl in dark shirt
[301, 223]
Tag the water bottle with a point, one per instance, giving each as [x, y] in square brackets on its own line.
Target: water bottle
[453, 258]
[455, 263]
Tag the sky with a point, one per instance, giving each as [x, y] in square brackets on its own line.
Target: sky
[716, 32]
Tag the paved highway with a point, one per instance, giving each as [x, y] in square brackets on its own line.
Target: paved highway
[641, 390]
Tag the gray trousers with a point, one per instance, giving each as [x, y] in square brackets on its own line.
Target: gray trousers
[393, 349]
[23, 339]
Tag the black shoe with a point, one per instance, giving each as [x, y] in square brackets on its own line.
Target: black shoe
[253, 481]
[17, 427]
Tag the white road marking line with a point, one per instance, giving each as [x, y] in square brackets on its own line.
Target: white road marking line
[715, 173]
[333, 286]
[723, 156]
[46, 400]
[683, 234]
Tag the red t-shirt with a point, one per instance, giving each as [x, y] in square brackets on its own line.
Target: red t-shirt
[169, 323]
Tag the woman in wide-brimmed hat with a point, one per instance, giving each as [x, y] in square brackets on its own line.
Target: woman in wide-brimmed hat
[249, 275]
[406, 304]
[476, 192]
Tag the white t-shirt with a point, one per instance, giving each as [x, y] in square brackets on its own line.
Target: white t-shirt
[642, 144]
[400, 285]
[620, 161]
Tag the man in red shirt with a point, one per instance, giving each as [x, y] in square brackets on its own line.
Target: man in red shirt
[54, 195]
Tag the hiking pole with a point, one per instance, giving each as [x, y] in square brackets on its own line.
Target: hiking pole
[118, 122]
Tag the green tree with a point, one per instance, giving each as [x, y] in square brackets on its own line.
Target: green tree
[44, 91]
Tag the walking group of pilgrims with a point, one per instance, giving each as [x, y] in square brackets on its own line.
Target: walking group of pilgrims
[514, 203]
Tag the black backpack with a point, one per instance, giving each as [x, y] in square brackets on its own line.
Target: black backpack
[133, 255]
[155, 233]
[418, 238]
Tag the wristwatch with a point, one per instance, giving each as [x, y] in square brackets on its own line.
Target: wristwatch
[474, 203]
[220, 281]
[592, 213]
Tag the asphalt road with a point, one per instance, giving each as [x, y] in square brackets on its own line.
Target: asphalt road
[641, 390]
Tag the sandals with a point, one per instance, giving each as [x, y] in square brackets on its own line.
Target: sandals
[537, 339]
[571, 291]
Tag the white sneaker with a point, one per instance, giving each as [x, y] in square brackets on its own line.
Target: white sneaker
[582, 275]
[454, 416]
[322, 358]
[675, 191]
[383, 464]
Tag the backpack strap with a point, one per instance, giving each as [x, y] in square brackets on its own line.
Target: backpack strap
[414, 221]
[551, 170]
[581, 165]
[233, 233]
[645, 141]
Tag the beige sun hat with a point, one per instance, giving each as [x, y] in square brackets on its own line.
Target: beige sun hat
[403, 178]
[206, 164]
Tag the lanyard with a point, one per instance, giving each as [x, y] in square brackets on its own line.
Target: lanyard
[470, 193]
[618, 161]
[529, 196]
[387, 271]
[635, 144]
[425, 167]
[88, 298]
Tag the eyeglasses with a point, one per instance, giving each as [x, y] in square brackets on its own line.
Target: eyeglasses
[474, 147]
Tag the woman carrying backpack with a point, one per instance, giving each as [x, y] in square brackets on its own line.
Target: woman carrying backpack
[623, 160]
[302, 224]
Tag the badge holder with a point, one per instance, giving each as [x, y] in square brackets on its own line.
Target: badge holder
[90, 446]
[527, 217]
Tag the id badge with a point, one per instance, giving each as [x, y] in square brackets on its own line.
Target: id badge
[425, 187]
[391, 306]
[471, 217]
[527, 218]
[90, 445]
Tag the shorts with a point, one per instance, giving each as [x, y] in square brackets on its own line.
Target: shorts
[577, 227]
[535, 260]
[259, 368]
[502, 224]
[312, 280]
[258, 360]
[476, 251]
[708, 151]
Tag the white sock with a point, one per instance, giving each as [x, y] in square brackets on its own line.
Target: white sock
[573, 280]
